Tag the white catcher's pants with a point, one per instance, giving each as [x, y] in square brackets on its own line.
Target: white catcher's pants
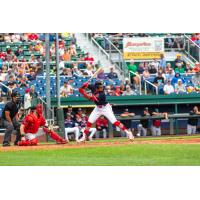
[74, 130]
[191, 129]
[156, 131]
[31, 136]
[105, 111]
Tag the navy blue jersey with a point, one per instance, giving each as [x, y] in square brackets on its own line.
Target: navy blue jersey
[101, 96]
[69, 123]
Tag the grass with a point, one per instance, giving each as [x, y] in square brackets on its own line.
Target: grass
[124, 155]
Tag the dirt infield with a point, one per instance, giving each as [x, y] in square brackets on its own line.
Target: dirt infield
[103, 143]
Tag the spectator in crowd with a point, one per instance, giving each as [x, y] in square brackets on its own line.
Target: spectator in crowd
[193, 121]
[162, 62]
[141, 68]
[156, 123]
[152, 69]
[101, 75]
[77, 71]
[132, 68]
[72, 50]
[178, 61]
[112, 74]
[197, 87]
[168, 88]
[53, 49]
[73, 39]
[127, 82]
[7, 38]
[117, 91]
[27, 100]
[159, 80]
[89, 70]
[81, 65]
[34, 96]
[155, 63]
[128, 91]
[146, 73]
[176, 78]
[33, 37]
[179, 87]
[66, 89]
[70, 127]
[180, 69]
[10, 119]
[23, 83]
[198, 40]
[194, 37]
[144, 123]
[88, 58]
[31, 76]
[196, 78]
[188, 68]
[108, 91]
[102, 127]
[66, 56]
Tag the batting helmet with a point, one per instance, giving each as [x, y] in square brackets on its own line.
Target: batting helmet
[98, 84]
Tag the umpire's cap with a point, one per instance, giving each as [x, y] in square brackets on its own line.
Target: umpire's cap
[15, 94]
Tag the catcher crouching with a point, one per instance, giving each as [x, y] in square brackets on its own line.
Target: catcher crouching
[33, 126]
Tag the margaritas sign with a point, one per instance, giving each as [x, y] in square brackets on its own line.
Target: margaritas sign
[143, 48]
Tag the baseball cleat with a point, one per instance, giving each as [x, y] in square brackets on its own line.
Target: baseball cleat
[129, 135]
[83, 139]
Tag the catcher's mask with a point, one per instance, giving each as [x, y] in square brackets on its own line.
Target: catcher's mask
[39, 109]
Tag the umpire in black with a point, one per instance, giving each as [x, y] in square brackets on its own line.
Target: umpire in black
[10, 119]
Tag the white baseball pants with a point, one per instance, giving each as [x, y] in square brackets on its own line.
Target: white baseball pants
[74, 130]
[105, 111]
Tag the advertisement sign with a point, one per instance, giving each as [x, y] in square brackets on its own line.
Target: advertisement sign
[143, 48]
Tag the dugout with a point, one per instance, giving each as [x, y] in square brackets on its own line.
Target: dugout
[173, 104]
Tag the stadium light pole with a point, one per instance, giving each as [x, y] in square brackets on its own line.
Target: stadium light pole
[57, 71]
[48, 97]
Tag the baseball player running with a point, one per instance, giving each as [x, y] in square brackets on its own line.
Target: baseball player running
[102, 108]
[33, 126]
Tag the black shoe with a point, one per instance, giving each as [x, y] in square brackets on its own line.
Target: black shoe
[6, 144]
[16, 143]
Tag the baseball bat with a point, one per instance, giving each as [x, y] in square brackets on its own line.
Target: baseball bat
[95, 74]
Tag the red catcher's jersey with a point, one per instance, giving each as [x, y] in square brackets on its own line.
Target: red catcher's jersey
[32, 123]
